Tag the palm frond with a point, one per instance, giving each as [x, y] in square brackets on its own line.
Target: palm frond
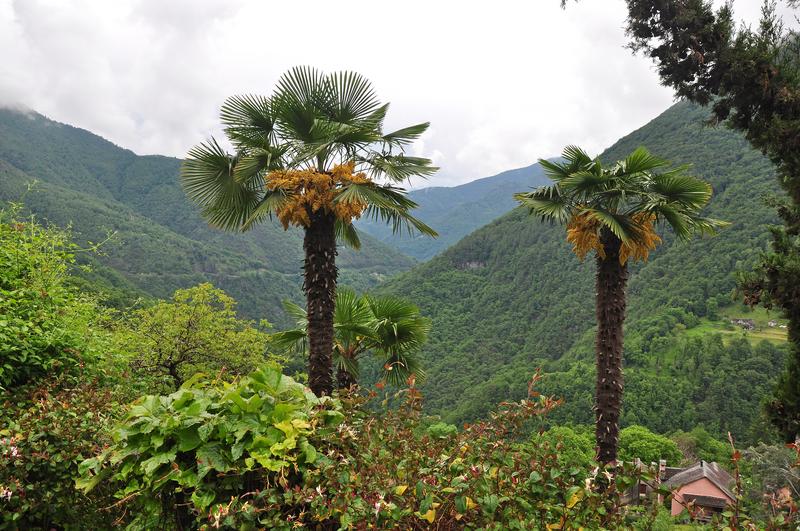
[347, 363]
[398, 167]
[547, 203]
[271, 202]
[686, 190]
[398, 323]
[576, 158]
[351, 96]
[399, 366]
[554, 170]
[207, 178]
[256, 161]
[249, 120]
[584, 183]
[387, 204]
[347, 234]
[406, 135]
[640, 160]
[299, 95]
[621, 225]
[296, 312]
[289, 341]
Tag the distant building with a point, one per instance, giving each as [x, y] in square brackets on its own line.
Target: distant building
[706, 486]
[747, 324]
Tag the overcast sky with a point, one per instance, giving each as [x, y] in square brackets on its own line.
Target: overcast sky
[503, 83]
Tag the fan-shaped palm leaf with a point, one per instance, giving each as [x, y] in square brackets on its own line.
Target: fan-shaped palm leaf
[316, 122]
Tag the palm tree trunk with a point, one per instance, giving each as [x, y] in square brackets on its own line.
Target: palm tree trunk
[610, 308]
[320, 288]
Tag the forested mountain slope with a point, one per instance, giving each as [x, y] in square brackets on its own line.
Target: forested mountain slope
[512, 297]
[161, 242]
[456, 211]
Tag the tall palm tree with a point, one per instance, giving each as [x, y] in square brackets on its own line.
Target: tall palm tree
[314, 155]
[613, 211]
[388, 327]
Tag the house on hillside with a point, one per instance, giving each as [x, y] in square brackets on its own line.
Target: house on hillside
[707, 487]
[747, 324]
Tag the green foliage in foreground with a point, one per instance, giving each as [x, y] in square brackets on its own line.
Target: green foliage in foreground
[42, 321]
[267, 454]
[182, 453]
[46, 429]
[57, 370]
[263, 452]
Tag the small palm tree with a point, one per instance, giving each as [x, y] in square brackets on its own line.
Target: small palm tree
[613, 211]
[314, 155]
[388, 327]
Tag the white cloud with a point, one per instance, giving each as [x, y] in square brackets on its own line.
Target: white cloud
[503, 83]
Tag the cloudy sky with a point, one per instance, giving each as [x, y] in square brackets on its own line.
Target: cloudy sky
[503, 83]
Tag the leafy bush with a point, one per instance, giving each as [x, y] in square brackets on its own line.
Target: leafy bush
[637, 442]
[197, 331]
[46, 430]
[384, 473]
[176, 457]
[699, 444]
[575, 446]
[38, 310]
[441, 430]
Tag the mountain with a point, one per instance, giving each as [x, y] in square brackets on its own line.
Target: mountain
[456, 211]
[511, 297]
[160, 242]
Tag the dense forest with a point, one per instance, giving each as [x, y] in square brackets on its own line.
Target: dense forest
[160, 243]
[511, 297]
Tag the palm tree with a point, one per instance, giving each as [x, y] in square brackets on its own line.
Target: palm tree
[388, 327]
[314, 155]
[613, 211]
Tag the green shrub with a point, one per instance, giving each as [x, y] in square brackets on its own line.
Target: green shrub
[441, 430]
[183, 456]
[40, 332]
[383, 472]
[575, 447]
[699, 444]
[196, 331]
[46, 430]
[637, 442]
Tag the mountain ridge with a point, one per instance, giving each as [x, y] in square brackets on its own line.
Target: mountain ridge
[457, 211]
[511, 296]
[83, 172]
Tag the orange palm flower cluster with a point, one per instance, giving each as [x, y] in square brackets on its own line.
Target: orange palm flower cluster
[583, 232]
[309, 191]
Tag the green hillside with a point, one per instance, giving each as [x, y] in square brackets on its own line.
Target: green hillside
[457, 211]
[161, 243]
[512, 297]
